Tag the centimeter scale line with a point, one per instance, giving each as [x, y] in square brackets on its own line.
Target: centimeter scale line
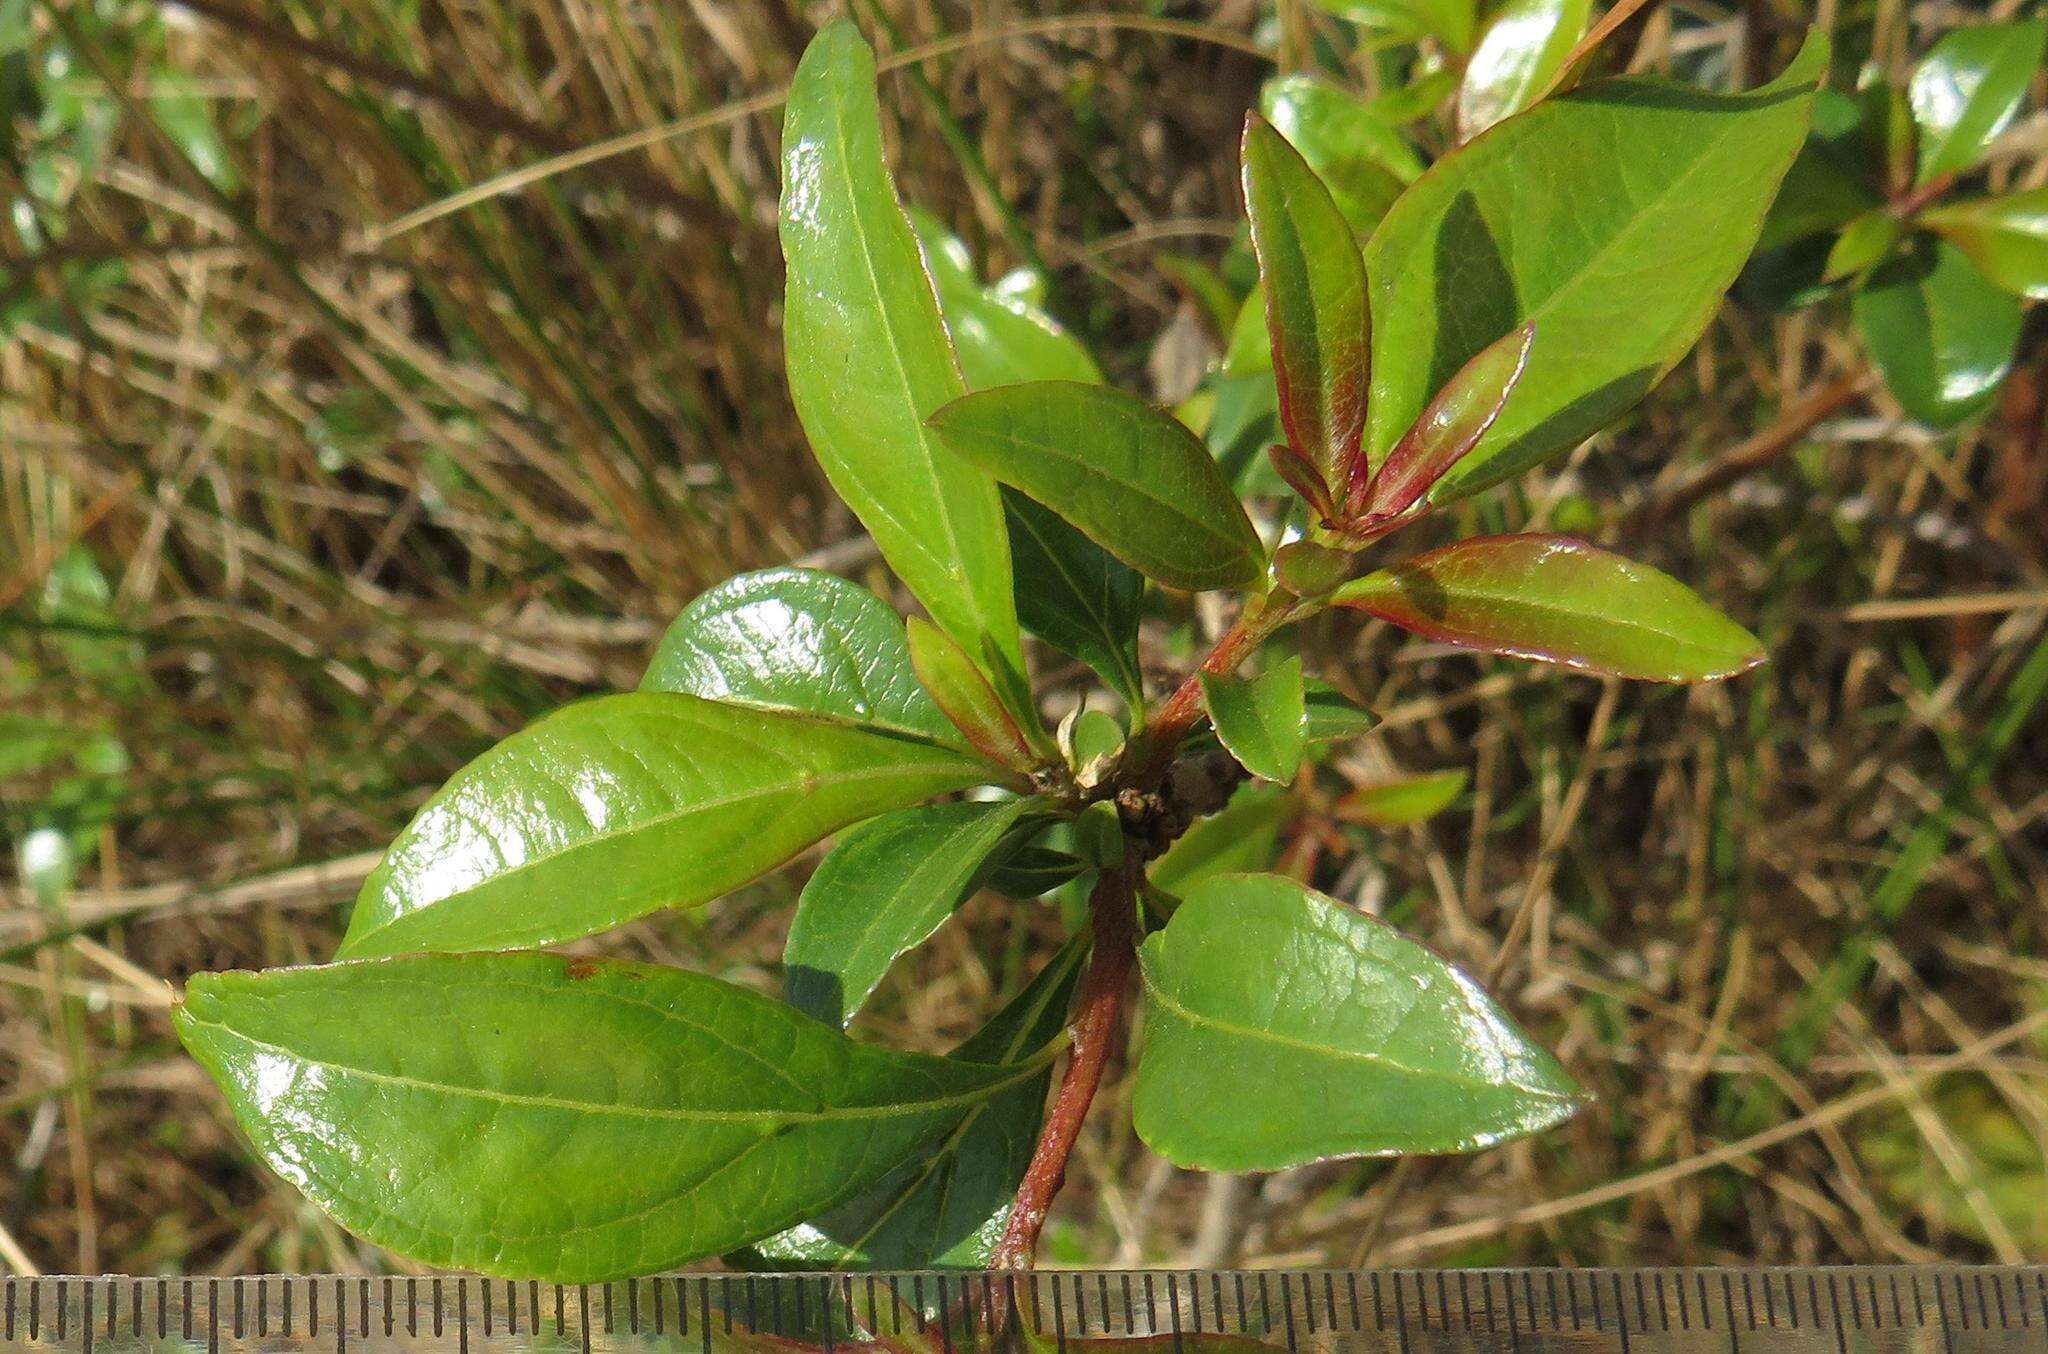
[1935, 1309]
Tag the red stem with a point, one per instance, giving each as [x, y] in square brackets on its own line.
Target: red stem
[1096, 1030]
[1171, 722]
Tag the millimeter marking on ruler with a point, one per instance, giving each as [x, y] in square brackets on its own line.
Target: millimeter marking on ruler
[1908, 1309]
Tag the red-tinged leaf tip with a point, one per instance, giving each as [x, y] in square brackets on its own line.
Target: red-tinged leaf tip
[1557, 599]
[1449, 428]
[1303, 478]
[960, 690]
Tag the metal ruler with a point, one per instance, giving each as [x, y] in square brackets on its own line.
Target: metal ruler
[1922, 1310]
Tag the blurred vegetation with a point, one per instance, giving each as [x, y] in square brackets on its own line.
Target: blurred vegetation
[298, 510]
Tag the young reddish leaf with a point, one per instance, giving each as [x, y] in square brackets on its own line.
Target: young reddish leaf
[1315, 302]
[1557, 599]
[1451, 426]
[959, 689]
[1303, 478]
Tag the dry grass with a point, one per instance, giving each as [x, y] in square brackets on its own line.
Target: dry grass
[365, 502]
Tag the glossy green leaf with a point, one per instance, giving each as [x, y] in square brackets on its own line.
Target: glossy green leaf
[1314, 281]
[1262, 720]
[1940, 332]
[1243, 835]
[1862, 244]
[1449, 428]
[1033, 871]
[1134, 480]
[883, 889]
[1076, 596]
[1283, 1028]
[613, 807]
[947, 1211]
[1401, 800]
[567, 1119]
[960, 689]
[1001, 337]
[1524, 46]
[1450, 20]
[1356, 152]
[1558, 600]
[1332, 718]
[1968, 88]
[2006, 237]
[1619, 248]
[869, 358]
[797, 639]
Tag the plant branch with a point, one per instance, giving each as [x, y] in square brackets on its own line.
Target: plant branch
[1171, 722]
[1096, 1033]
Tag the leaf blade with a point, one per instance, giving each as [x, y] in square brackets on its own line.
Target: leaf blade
[1524, 46]
[1263, 720]
[1967, 90]
[617, 806]
[2006, 237]
[1942, 333]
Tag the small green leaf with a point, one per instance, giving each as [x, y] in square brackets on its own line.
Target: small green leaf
[947, 1211]
[797, 639]
[1034, 871]
[1001, 337]
[1558, 600]
[1525, 45]
[2006, 237]
[1356, 152]
[950, 677]
[613, 807]
[1450, 20]
[1076, 596]
[1449, 428]
[573, 1120]
[1332, 718]
[1261, 720]
[883, 889]
[1862, 244]
[1283, 1028]
[1402, 800]
[1614, 216]
[1968, 88]
[1315, 306]
[869, 358]
[1242, 836]
[1940, 331]
[1134, 480]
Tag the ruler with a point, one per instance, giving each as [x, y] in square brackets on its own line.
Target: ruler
[1910, 1309]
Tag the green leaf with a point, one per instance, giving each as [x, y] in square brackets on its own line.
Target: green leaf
[1242, 836]
[613, 807]
[883, 889]
[1620, 249]
[1525, 45]
[1359, 156]
[1402, 800]
[1262, 720]
[1862, 244]
[1135, 481]
[1451, 20]
[1314, 281]
[797, 639]
[1076, 596]
[1557, 600]
[575, 1120]
[1332, 718]
[1449, 428]
[958, 687]
[2006, 237]
[1940, 331]
[1282, 1028]
[1033, 871]
[948, 1210]
[869, 359]
[1967, 90]
[1001, 338]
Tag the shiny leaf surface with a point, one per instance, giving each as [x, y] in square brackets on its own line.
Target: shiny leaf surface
[1524, 46]
[1451, 20]
[1000, 337]
[883, 889]
[1314, 281]
[1940, 332]
[797, 639]
[869, 358]
[947, 1210]
[1262, 720]
[575, 1119]
[960, 690]
[1620, 248]
[1967, 89]
[2006, 237]
[1283, 1028]
[1356, 152]
[1134, 480]
[1557, 599]
[1451, 426]
[1075, 595]
[1401, 800]
[613, 807]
